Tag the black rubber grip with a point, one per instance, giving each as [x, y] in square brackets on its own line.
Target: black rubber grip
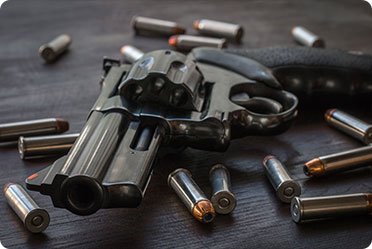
[313, 71]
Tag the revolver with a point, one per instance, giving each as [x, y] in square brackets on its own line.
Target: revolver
[201, 100]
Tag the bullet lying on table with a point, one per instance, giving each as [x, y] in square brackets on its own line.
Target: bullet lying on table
[349, 125]
[191, 195]
[142, 24]
[51, 51]
[223, 199]
[304, 209]
[45, 145]
[219, 29]
[12, 131]
[188, 42]
[131, 54]
[286, 188]
[34, 218]
[338, 162]
[307, 38]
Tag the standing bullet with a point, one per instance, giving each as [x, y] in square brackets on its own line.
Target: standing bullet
[286, 188]
[33, 217]
[219, 29]
[191, 195]
[307, 38]
[151, 25]
[188, 42]
[223, 199]
[45, 145]
[131, 54]
[303, 209]
[350, 125]
[338, 162]
[49, 52]
[12, 131]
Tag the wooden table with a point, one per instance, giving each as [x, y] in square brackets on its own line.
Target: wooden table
[31, 89]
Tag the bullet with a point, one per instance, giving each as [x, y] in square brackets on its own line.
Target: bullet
[191, 195]
[223, 199]
[307, 38]
[338, 162]
[131, 54]
[285, 187]
[188, 42]
[50, 52]
[151, 25]
[304, 209]
[45, 145]
[34, 218]
[219, 29]
[12, 131]
[350, 125]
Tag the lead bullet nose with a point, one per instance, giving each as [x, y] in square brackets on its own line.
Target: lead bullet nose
[62, 125]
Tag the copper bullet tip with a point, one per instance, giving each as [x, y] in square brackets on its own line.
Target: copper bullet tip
[7, 186]
[62, 125]
[196, 24]
[173, 40]
[204, 212]
[328, 114]
[267, 158]
[122, 50]
[314, 167]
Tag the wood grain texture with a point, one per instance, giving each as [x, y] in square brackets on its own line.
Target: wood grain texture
[31, 89]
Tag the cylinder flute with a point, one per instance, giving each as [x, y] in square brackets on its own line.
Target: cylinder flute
[191, 195]
[45, 145]
[303, 209]
[338, 162]
[350, 125]
[34, 218]
[12, 131]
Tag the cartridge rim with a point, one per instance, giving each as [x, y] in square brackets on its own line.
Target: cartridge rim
[47, 53]
[296, 210]
[21, 147]
[287, 190]
[221, 195]
[37, 220]
[176, 172]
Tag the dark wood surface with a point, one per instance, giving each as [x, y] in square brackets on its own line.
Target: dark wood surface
[31, 89]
